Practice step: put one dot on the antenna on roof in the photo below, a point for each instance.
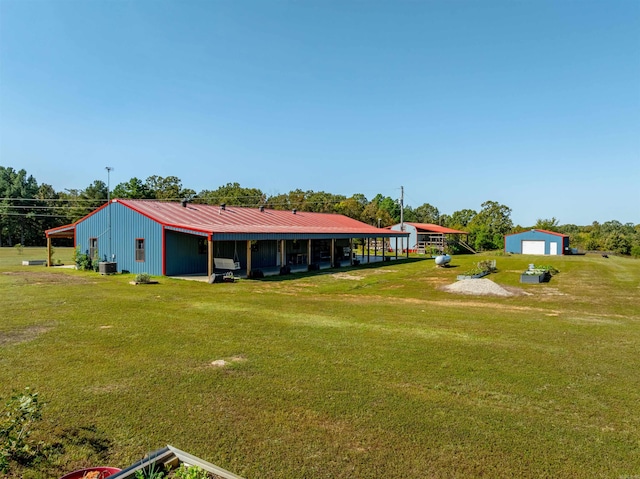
(184, 202)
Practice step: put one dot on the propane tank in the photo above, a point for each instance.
(442, 260)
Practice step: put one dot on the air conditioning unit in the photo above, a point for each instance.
(107, 267)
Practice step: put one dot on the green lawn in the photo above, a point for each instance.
(369, 373)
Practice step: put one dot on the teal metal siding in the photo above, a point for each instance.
(94, 226)
(126, 226)
(265, 254)
(513, 242)
(183, 254)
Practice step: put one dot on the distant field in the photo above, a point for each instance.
(369, 373)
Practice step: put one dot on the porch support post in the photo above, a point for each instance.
(351, 251)
(407, 248)
(309, 251)
(333, 252)
(48, 251)
(283, 253)
(396, 247)
(248, 258)
(209, 255)
(368, 250)
(375, 249)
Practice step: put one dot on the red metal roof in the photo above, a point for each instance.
(436, 229)
(238, 219)
(553, 233)
(65, 231)
(540, 231)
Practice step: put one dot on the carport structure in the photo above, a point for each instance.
(181, 238)
(426, 237)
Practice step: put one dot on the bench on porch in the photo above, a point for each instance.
(226, 263)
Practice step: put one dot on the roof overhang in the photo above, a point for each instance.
(66, 231)
(436, 229)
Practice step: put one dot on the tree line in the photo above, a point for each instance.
(28, 208)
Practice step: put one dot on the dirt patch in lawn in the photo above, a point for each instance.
(351, 277)
(22, 335)
(44, 277)
(221, 363)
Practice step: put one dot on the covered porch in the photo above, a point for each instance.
(65, 232)
(252, 256)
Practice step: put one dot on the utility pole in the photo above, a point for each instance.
(401, 219)
(402, 208)
(109, 168)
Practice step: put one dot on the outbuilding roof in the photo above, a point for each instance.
(429, 227)
(555, 233)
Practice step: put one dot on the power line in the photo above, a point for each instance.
(28, 207)
(58, 200)
(35, 215)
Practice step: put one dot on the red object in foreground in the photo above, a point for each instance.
(86, 473)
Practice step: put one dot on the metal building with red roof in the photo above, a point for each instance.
(179, 238)
(430, 238)
(536, 241)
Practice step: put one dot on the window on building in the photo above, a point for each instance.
(139, 249)
(93, 247)
(203, 246)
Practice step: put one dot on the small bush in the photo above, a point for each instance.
(190, 472)
(18, 416)
(82, 260)
(547, 268)
(487, 265)
(143, 278)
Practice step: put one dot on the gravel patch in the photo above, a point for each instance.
(480, 286)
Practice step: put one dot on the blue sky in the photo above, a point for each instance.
(533, 104)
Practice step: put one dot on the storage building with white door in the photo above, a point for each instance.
(539, 242)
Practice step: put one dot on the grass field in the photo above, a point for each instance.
(368, 373)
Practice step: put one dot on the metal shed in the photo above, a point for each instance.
(538, 242)
(179, 238)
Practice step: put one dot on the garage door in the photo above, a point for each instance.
(533, 247)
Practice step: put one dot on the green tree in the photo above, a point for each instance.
(375, 214)
(17, 207)
(461, 218)
(168, 188)
(83, 202)
(353, 207)
(388, 205)
(488, 227)
(593, 242)
(232, 194)
(617, 243)
(322, 202)
(279, 202)
(547, 224)
(133, 189)
(410, 214)
(427, 213)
